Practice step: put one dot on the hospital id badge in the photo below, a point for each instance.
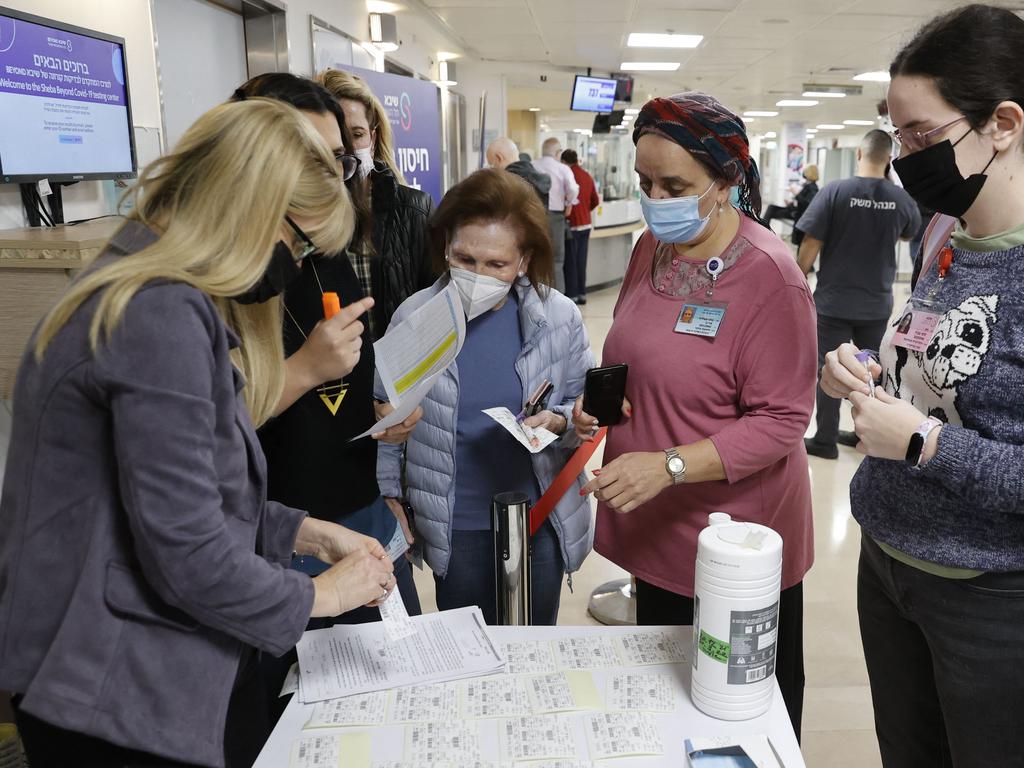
(916, 326)
(701, 319)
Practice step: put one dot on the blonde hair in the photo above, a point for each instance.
(219, 201)
(344, 85)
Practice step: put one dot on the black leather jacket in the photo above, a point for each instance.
(401, 240)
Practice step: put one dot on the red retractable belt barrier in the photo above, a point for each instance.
(563, 481)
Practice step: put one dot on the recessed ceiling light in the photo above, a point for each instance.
(873, 77)
(796, 103)
(770, 145)
(632, 111)
(650, 40)
(858, 122)
(535, 109)
(770, 135)
(649, 66)
(830, 127)
(812, 130)
(823, 95)
(760, 113)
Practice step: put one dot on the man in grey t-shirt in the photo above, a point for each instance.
(855, 224)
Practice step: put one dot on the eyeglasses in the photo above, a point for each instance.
(916, 140)
(309, 247)
(349, 164)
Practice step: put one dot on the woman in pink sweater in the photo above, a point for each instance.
(717, 325)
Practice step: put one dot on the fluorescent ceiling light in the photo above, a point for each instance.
(830, 127)
(650, 40)
(633, 111)
(379, 6)
(824, 95)
(873, 77)
(649, 66)
(770, 135)
(749, 119)
(760, 113)
(812, 130)
(770, 145)
(858, 122)
(534, 109)
(796, 103)
(448, 55)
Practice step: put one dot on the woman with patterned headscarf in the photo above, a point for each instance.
(717, 326)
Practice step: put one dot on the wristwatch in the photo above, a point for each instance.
(675, 466)
(915, 450)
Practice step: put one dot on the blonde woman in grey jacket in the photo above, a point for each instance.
(490, 236)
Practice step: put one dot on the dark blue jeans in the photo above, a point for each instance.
(945, 662)
(576, 250)
(470, 577)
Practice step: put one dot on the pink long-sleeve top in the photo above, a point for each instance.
(750, 390)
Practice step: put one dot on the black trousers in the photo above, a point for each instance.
(655, 605)
(833, 331)
(246, 730)
(945, 662)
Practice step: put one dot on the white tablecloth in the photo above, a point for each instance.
(387, 741)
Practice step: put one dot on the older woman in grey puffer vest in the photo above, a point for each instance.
(555, 346)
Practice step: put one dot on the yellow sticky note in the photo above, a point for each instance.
(584, 690)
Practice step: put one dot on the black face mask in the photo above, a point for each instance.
(932, 178)
(282, 270)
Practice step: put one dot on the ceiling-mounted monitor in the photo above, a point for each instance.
(623, 87)
(64, 102)
(593, 94)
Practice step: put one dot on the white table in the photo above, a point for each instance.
(387, 741)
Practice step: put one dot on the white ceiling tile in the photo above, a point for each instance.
(670, 6)
(582, 12)
(479, 24)
(476, 3)
(679, 21)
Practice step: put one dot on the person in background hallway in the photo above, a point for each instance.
(327, 400)
(579, 224)
(939, 498)
(142, 569)
(490, 233)
(561, 198)
(714, 422)
(393, 263)
(503, 153)
(856, 225)
(796, 208)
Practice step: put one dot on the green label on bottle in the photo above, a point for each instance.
(713, 647)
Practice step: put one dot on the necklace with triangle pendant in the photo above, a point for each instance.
(332, 395)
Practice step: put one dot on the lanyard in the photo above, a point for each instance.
(944, 261)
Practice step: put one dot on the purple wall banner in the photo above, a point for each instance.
(414, 111)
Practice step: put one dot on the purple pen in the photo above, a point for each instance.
(864, 358)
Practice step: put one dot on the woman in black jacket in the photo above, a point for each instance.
(394, 264)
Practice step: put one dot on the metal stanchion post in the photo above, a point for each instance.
(614, 602)
(510, 516)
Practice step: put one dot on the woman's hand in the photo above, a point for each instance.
(885, 425)
(403, 520)
(399, 433)
(586, 425)
(549, 420)
(630, 480)
(843, 373)
(333, 347)
(359, 579)
(330, 542)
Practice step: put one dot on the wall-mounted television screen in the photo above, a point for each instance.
(605, 123)
(64, 102)
(593, 94)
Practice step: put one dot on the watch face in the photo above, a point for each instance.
(675, 465)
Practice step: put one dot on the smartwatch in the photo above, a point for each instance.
(915, 450)
(675, 466)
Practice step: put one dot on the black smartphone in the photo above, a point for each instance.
(604, 392)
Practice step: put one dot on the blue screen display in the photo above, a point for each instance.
(593, 94)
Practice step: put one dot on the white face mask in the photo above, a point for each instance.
(365, 161)
(479, 293)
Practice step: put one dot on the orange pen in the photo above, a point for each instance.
(332, 305)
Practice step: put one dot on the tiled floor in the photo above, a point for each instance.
(838, 731)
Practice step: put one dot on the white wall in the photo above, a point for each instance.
(129, 19)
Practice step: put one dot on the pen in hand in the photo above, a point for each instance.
(864, 358)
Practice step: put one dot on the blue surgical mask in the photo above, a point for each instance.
(734, 197)
(675, 219)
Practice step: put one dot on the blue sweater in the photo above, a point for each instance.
(965, 507)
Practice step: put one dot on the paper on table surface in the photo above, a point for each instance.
(495, 696)
(585, 653)
(622, 734)
(397, 623)
(563, 692)
(291, 681)
(540, 737)
(327, 751)
(422, 346)
(366, 709)
(348, 659)
(652, 647)
(507, 419)
(758, 748)
(524, 657)
(436, 702)
(637, 692)
(457, 743)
